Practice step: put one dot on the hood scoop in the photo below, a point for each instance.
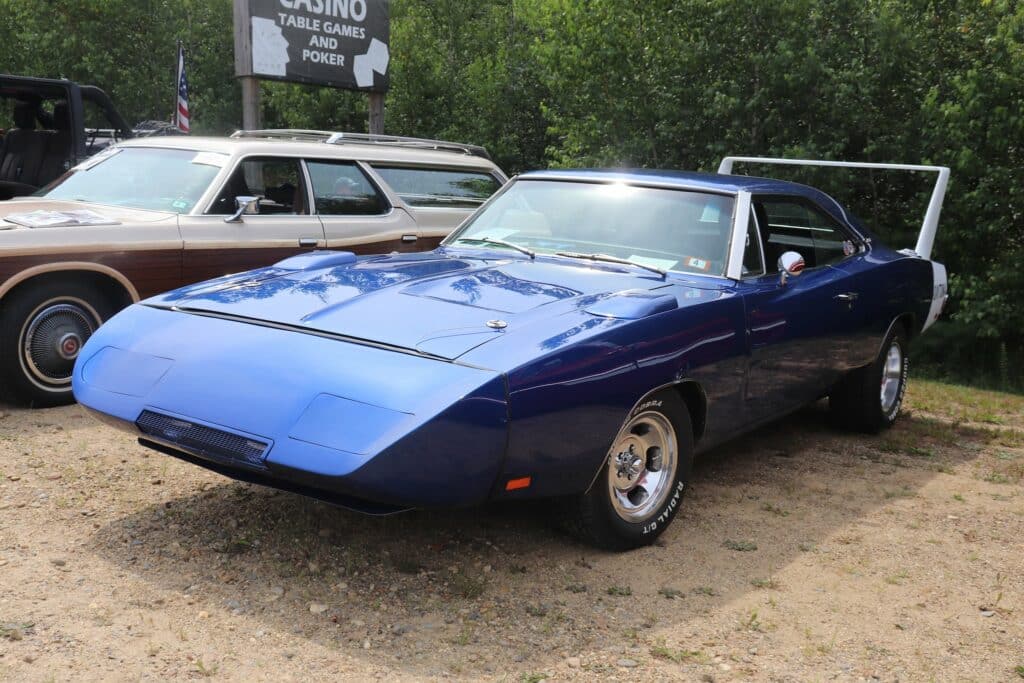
(633, 304)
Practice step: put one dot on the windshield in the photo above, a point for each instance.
(140, 178)
(653, 227)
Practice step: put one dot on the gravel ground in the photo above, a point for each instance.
(800, 554)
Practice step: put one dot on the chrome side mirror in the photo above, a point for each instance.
(791, 264)
(247, 205)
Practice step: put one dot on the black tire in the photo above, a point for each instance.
(869, 399)
(54, 318)
(604, 516)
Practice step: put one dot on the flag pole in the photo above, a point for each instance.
(177, 83)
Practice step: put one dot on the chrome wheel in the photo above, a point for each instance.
(51, 339)
(642, 466)
(892, 376)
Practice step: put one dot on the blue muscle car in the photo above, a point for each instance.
(582, 336)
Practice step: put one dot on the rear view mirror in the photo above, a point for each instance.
(791, 264)
(247, 205)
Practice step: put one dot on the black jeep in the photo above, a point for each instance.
(51, 125)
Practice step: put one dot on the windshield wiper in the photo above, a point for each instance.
(606, 258)
(503, 243)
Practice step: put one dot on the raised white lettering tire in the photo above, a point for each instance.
(869, 399)
(640, 488)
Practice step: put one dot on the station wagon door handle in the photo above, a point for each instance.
(409, 238)
(847, 297)
(306, 242)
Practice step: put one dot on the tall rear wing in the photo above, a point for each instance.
(925, 239)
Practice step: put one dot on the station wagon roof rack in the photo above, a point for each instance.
(925, 239)
(346, 138)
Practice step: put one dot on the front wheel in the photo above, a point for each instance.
(639, 489)
(42, 329)
(869, 398)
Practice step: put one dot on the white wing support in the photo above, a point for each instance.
(925, 239)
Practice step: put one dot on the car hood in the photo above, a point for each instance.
(438, 303)
(11, 209)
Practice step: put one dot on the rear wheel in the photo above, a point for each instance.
(42, 329)
(869, 399)
(641, 485)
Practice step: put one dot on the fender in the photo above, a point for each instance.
(65, 266)
(640, 403)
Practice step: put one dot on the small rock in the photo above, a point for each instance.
(13, 477)
(203, 614)
(987, 613)
(317, 608)
(155, 481)
(3, 562)
(29, 658)
(276, 593)
(752, 651)
(627, 663)
(724, 667)
(366, 644)
(53, 476)
(573, 662)
(57, 562)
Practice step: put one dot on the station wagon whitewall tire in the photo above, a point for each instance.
(641, 485)
(42, 329)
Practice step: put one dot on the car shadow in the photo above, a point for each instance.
(486, 582)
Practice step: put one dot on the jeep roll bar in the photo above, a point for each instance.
(925, 239)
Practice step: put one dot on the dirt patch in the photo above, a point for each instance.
(800, 554)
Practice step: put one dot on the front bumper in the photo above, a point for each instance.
(333, 419)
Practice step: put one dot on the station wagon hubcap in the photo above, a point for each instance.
(642, 466)
(892, 373)
(52, 338)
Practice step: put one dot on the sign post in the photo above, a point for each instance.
(338, 43)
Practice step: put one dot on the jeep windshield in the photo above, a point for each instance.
(140, 178)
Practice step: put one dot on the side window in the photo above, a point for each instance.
(796, 225)
(342, 189)
(438, 186)
(753, 260)
(277, 182)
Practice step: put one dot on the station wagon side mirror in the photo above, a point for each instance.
(791, 264)
(247, 205)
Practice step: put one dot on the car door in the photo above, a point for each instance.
(355, 212)
(438, 198)
(800, 328)
(284, 225)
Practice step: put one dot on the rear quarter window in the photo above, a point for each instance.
(437, 187)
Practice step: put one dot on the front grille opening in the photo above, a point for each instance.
(203, 440)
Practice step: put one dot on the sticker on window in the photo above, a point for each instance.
(700, 264)
(210, 159)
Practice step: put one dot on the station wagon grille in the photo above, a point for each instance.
(202, 440)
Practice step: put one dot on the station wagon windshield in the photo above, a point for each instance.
(651, 227)
(139, 178)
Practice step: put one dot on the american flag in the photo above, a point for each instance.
(181, 111)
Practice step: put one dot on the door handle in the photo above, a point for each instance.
(847, 297)
(409, 238)
(306, 242)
